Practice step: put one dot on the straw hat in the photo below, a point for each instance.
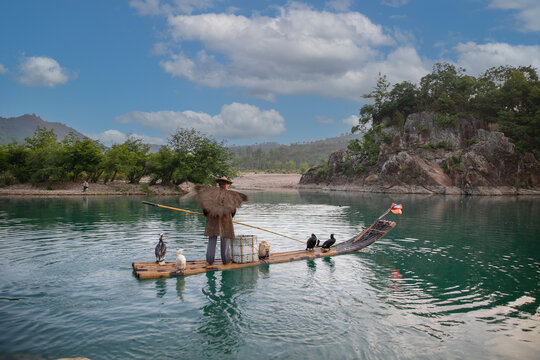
(223, 179)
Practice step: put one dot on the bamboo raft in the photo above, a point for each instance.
(151, 270)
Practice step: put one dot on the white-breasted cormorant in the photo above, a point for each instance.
(180, 260)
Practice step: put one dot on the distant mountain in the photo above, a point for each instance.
(21, 127)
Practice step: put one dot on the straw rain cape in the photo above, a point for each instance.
(219, 206)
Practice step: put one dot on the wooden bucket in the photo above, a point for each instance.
(245, 249)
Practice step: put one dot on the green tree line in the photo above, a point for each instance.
(42, 158)
(296, 157)
(507, 96)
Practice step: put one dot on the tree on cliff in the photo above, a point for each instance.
(507, 96)
(511, 98)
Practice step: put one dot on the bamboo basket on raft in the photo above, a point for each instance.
(379, 228)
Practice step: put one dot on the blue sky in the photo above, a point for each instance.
(239, 71)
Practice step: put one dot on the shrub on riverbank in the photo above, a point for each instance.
(42, 159)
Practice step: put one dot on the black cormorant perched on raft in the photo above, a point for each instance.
(326, 245)
(161, 250)
(310, 244)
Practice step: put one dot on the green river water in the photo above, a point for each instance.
(457, 278)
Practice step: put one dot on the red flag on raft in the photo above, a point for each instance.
(396, 208)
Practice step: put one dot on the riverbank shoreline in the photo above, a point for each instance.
(245, 181)
(423, 190)
(249, 181)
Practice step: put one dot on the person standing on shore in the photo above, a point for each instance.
(85, 185)
(219, 205)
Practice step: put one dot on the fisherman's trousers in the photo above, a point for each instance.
(226, 252)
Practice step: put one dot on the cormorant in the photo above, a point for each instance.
(161, 250)
(180, 260)
(310, 244)
(326, 245)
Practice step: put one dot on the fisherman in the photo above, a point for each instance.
(219, 205)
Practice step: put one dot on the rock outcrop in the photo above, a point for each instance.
(430, 155)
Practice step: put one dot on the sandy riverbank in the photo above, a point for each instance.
(265, 181)
(245, 181)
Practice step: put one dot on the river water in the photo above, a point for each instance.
(457, 278)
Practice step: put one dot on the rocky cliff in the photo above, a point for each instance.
(427, 155)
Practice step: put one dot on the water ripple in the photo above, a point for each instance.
(455, 278)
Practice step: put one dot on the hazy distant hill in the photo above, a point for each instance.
(21, 127)
(267, 146)
(274, 156)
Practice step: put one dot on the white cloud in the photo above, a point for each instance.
(162, 7)
(203, 69)
(187, 6)
(394, 3)
(339, 5)
(111, 137)
(160, 48)
(351, 120)
(42, 71)
(235, 121)
(147, 7)
(3, 69)
(528, 12)
(403, 36)
(477, 58)
(324, 120)
(299, 51)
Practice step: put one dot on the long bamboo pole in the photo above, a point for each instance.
(236, 222)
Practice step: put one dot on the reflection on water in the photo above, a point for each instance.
(161, 287)
(180, 287)
(395, 279)
(457, 278)
(221, 324)
(329, 262)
